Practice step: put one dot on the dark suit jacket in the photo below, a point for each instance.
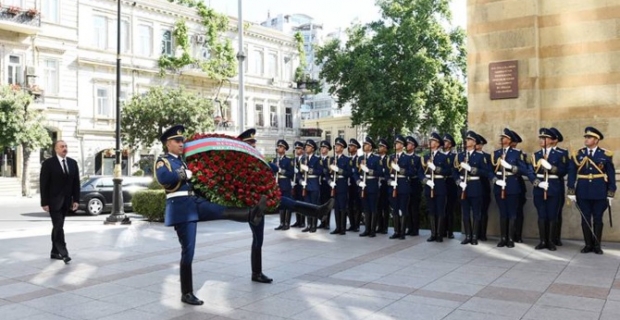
(59, 190)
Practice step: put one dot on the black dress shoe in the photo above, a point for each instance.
(306, 229)
(260, 277)
(66, 259)
(450, 235)
(56, 256)
(190, 298)
(280, 227)
(337, 231)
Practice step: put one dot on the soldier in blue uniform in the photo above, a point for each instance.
(367, 177)
(509, 164)
(469, 166)
(355, 203)
(311, 171)
(384, 196)
(592, 185)
(326, 189)
(518, 229)
(436, 166)
(184, 209)
(284, 174)
(399, 170)
(339, 171)
(300, 220)
(556, 236)
(548, 166)
(415, 199)
(451, 188)
(486, 191)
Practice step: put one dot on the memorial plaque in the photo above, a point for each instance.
(504, 79)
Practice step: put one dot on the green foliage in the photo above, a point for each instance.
(151, 204)
(144, 117)
(222, 62)
(187, 3)
(138, 173)
(404, 73)
(301, 69)
(154, 185)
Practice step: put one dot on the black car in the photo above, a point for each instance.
(96, 192)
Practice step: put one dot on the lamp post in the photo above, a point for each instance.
(241, 57)
(118, 214)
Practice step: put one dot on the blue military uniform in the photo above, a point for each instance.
(341, 190)
(486, 193)
(471, 197)
(355, 202)
(282, 167)
(451, 189)
(300, 221)
(384, 196)
(326, 190)
(436, 195)
(507, 197)
(555, 237)
(399, 188)
(311, 179)
(518, 228)
(414, 214)
(369, 186)
(592, 179)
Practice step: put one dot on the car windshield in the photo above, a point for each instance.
(87, 183)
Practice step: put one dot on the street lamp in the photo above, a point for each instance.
(241, 56)
(118, 214)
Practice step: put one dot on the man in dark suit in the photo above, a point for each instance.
(60, 192)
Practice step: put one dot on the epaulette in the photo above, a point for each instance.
(608, 153)
(162, 161)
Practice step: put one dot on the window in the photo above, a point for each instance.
(145, 40)
(272, 65)
(289, 117)
(125, 36)
(50, 76)
(227, 111)
(49, 11)
(288, 71)
(257, 62)
(16, 70)
(328, 136)
(341, 134)
(12, 3)
(246, 114)
(205, 52)
(166, 43)
(258, 115)
(103, 103)
(100, 32)
(123, 96)
(273, 116)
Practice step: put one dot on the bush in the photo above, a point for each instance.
(138, 173)
(151, 204)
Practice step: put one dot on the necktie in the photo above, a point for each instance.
(64, 166)
(591, 153)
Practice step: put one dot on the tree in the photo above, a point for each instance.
(21, 125)
(145, 117)
(404, 72)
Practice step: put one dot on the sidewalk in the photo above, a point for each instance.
(121, 272)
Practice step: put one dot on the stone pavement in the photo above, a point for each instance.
(122, 272)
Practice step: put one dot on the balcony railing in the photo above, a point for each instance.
(20, 20)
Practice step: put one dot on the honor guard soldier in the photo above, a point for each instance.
(592, 185)
(355, 203)
(284, 176)
(326, 189)
(184, 209)
(367, 177)
(469, 166)
(435, 167)
(415, 199)
(297, 188)
(548, 166)
(384, 196)
(509, 164)
(398, 173)
(555, 237)
(518, 230)
(339, 171)
(311, 170)
(486, 191)
(451, 189)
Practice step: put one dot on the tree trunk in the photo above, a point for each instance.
(26, 151)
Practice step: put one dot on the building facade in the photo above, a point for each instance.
(67, 58)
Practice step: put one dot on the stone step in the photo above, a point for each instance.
(10, 186)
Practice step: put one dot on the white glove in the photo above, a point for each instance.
(394, 183)
(500, 183)
(293, 184)
(543, 185)
(430, 183)
(334, 167)
(610, 201)
(463, 185)
(506, 164)
(572, 197)
(431, 165)
(362, 184)
(304, 168)
(188, 174)
(332, 184)
(303, 183)
(465, 166)
(545, 164)
(395, 166)
(364, 168)
(280, 170)
(296, 170)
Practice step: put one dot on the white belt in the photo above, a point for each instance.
(470, 178)
(312, 176)
(185, 193)
(282, 177)
(398, 176)
(551, 176)
(340, 177)
(370, 178)
(499, 173)
(437, 176)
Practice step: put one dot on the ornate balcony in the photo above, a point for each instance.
(20, 20)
